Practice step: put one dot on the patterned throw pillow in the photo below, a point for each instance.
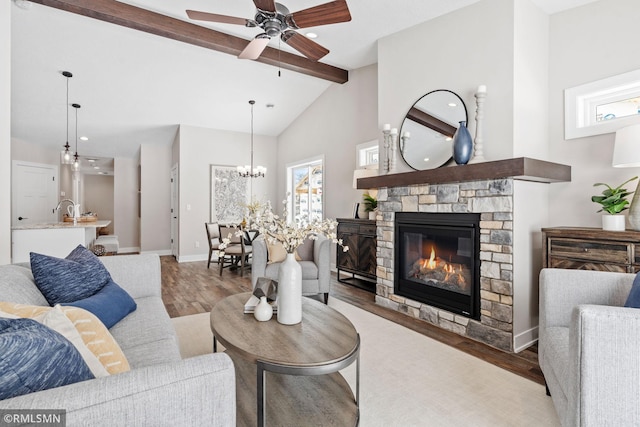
(96, 344)
(34, 357)
(79, 275)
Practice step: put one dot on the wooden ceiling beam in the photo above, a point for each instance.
(155, 23)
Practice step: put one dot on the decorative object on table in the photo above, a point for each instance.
(390, 136)
(626, 154)
(364, 173)
(276, 229)
(462, 145)
(356, 208)
(478, 155)
(266, 288)
(263, 311)
(370, 205)
(613, 201)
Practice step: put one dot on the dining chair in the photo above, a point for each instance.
(237, 251)
(213, 237)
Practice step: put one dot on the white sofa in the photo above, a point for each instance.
(160, 388)
(589, 347)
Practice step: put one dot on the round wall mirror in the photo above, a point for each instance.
(426, 135)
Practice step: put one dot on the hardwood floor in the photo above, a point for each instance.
(191, 288)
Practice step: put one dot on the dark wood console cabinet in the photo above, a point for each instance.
(591, 249)
(360, 259)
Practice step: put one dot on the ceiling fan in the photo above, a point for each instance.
(276, 20)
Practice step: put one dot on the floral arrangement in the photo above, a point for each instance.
(275, 228)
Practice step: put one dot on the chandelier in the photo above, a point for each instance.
(248, 171)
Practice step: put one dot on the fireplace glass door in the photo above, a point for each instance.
(437, 260)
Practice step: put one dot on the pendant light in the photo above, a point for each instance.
(76, 158)
(67, 154)
(249, 171)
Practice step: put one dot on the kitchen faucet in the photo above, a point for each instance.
(74, 204)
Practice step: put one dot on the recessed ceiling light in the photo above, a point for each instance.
(312, 35)
(270, 105)
(96, 167)
(452, 104)
(91, 160)
(426, 159)
(448, 138)
(84, 138)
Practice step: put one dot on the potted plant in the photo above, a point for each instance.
(613, 201)
(370, 205)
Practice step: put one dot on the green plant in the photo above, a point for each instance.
(613, 200)
(370, 202)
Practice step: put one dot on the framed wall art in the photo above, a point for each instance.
(229, 195)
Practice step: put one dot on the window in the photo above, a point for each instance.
(603, 106)
(367, 155)
(304, 185)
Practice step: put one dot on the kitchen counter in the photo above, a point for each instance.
(50, 225)
(53, 238)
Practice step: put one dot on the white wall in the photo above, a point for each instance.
(98, 198)
(5, 132)
(125, 203)
(341, 118)
(198, 149)
(588, 43)
(155, 186)
(458, 51)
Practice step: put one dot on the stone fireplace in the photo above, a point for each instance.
(488, 192)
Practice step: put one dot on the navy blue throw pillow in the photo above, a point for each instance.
(79, 275)
(110, 304)
(633, 300)
(34, 358)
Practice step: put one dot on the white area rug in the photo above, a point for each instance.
(407, 379)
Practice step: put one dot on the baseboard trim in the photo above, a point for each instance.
(132, 250)
(525, 339)
(163, 252)
(193, 258)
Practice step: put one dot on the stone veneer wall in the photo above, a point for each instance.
(493, 199)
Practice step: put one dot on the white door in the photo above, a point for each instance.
(34, 193)
(174, 211)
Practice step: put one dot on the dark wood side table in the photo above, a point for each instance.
(295, 366)
(584, 248)
(360, 259)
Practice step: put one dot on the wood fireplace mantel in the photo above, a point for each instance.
(520, 168)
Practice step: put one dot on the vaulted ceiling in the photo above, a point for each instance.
(137, 87)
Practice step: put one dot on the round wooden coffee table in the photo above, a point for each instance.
(296, 366)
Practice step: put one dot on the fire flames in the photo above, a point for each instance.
(436, 269)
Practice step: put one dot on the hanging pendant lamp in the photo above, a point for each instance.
(249, 171)
(76, 158)
(67, 153)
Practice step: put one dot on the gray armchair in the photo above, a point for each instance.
(315, 263)
(589, 349)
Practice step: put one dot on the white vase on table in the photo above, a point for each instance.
(289, 298)
(263, 311)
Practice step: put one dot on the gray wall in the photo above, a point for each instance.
(198, 148)
(155, 198)
(341, 118)
(5, 132)
(98, 197)
(589, 43)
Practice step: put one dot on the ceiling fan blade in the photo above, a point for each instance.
(305, 46)
(255, 47)
(214, 17)
(266, 5)
(328, 13)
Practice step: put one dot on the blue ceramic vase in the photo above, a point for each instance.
(462, 145)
